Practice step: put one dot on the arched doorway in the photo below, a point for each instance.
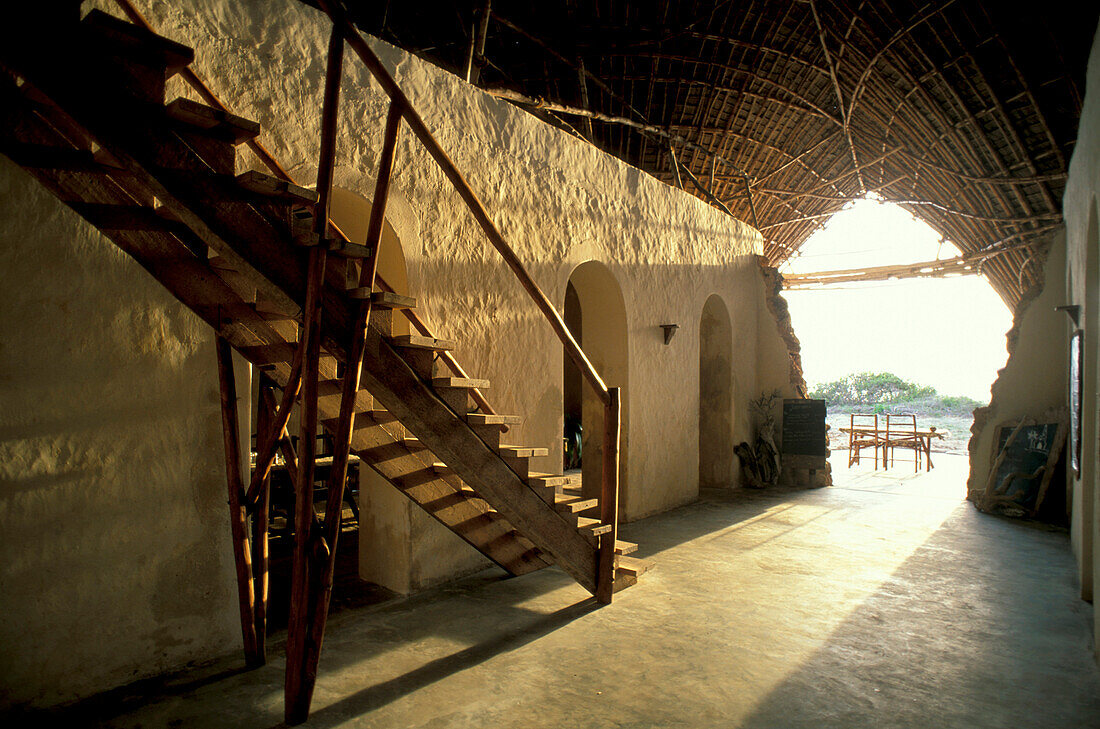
(715, 395)
(596, 315)
(351, 212)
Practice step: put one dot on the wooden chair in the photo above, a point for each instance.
(901, 432)
(863, 432)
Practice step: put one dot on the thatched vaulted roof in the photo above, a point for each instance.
(963, 111)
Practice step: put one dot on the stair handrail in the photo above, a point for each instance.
(269, 160)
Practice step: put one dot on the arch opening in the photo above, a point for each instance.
(596, 316)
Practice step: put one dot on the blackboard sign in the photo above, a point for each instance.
(804, 428)
(1023, 467)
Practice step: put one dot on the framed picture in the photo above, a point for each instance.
(1076, 382)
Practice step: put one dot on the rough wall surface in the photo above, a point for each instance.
(1033, 380)
(114, 555)
(133, 420)
(1081, 211)
(559, 201)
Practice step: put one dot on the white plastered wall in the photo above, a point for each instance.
(114, 535)
(1080, 210)
(559, 201)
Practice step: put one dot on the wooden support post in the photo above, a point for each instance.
(238, 520)
(345, 427)
(609, 497)
(260, 553)
(301, 675)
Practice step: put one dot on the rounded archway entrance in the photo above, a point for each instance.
(596, 315)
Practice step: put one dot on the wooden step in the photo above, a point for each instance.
(509, 451)
(382, 299)
(484, 419)
(137, 42)
(633, 567)
(414, 444)
(623, 580)
(460, 382)
(549, 480)
(574, 505)
(213, 122)
(273, 188)
(415, 341)
(622, 547)
(592, 527)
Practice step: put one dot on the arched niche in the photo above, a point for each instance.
(596, 315)
(351, 212)
(716, 462)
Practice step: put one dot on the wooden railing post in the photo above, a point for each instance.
(309, 547)
(609, 496)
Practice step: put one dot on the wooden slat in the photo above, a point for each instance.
(274, 188)
(215, 122)
(485, 419)
(414, 341)
(460, 382)
(510, 451)
(137, 41)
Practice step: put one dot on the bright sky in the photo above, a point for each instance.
(948, 333)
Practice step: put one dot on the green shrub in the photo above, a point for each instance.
(884, 392)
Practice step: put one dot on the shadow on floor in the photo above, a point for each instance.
(929, 649)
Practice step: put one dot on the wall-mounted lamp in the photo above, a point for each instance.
(1072, 310)
(670, 331)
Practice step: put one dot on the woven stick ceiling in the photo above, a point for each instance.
(965, 112)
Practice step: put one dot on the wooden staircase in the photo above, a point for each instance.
(250, 255)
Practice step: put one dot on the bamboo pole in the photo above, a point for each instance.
(238, 520)
(349, 389)
(609, 497)
(260, 516)
(300, 675)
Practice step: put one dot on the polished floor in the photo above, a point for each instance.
(883, 601)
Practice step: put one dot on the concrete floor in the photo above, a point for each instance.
(884, 601)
